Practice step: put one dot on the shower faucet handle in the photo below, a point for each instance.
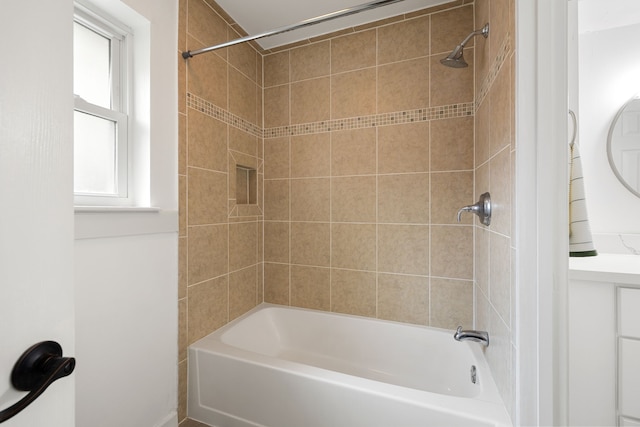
(482, 208)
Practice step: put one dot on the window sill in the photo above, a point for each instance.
(92, 222)
(113, 209)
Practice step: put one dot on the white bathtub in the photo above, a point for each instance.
(288, 367)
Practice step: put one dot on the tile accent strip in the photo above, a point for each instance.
(223, 115)
(383, 119)
(502, 56)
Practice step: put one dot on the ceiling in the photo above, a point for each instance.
(256, 16)
(598, 15)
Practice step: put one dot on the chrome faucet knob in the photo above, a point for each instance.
(482, 208)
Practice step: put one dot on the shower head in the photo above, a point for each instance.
(456, 58)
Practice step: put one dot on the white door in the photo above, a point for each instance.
(36, 201)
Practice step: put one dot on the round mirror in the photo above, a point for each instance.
(623, 145)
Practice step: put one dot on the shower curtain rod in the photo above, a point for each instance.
(306, 23)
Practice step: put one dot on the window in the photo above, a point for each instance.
(101, 128)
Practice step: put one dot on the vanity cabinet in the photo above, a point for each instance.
(604, 341)
(629, 353)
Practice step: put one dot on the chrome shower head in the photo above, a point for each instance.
(456, 58)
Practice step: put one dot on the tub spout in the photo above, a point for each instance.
(476, 336)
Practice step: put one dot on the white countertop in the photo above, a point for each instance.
(616, 268)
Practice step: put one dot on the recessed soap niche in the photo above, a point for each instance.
(246, 185)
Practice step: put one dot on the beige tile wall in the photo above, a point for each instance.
(220, 118)
(369, 153)
(495, 150)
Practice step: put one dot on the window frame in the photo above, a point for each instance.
(120, 37)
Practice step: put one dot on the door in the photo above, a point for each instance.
(36, 200)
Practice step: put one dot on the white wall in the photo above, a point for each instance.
(126, 330)
(126, 264)
(609, 76)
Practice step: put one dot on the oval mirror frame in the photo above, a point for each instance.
(610, 147)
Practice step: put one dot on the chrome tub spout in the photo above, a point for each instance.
(476, 336)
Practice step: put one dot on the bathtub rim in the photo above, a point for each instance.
(489, 402)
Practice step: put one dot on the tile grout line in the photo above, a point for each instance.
(377, 307)
(330, 185)
(289, 145)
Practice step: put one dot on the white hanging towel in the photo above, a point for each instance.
(580, 240)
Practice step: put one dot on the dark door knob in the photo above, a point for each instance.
(38, 367)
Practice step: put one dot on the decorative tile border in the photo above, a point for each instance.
(223, 115)
(503, 54)
(384, 119)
